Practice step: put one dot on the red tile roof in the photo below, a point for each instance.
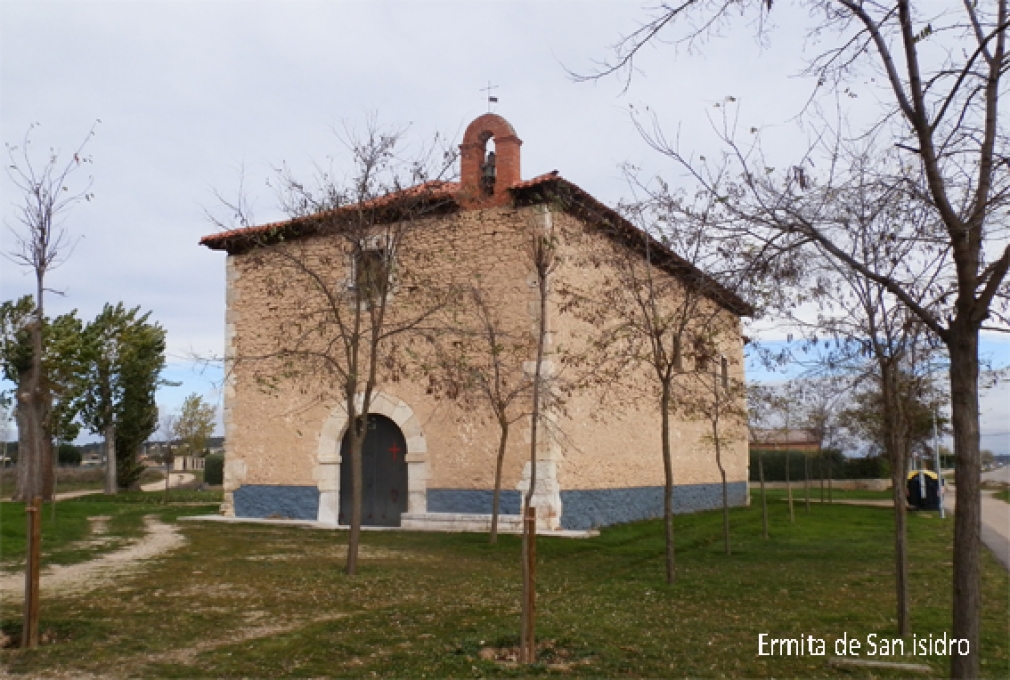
(434, 192)
(444, 196)
(573, 199)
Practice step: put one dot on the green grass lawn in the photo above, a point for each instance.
(815, 495)
(264, 601)
(65, 532)
(1003, 495)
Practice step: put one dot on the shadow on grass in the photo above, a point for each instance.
(266, 601)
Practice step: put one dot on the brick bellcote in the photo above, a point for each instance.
(474, 153)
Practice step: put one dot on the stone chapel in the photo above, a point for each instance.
(427, 463)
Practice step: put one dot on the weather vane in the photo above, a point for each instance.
(490, 98)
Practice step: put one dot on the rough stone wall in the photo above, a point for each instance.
(273, 427)
(617, 443)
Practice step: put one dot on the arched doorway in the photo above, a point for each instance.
(383, 474)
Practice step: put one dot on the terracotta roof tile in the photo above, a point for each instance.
(434, 190)
(574, 199)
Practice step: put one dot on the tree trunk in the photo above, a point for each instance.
(831, 488)
(359, 430)
(23, 474)
(527, 637)
(963, 349)
(806, 481)
(764, 502)
(35, 476)
(820, 472)
(900, 548)
(664, 409)
(895, 445)
(111, 487)
(725, 493)
(168, 472)
(789, 490)
(495, 501)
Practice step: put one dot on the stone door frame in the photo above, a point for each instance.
(328, 460)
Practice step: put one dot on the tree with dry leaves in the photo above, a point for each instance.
(350, 290)
(47, 192)
(482, 364)
(48, 189)
(939, 141)
(660, 316)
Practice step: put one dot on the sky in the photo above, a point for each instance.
(191, 96)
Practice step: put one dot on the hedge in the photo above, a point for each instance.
(213, 469)
(827, 463)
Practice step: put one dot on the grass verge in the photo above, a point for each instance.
(265, 601)
(67, 533)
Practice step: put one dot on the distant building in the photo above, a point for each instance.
(779, 439)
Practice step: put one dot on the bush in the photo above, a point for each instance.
(68, 455)
(213, 469)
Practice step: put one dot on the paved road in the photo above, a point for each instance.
(995, 523)
(999, 475)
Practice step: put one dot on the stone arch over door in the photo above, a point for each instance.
(328, 460)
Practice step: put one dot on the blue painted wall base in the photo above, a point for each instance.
(581, 509)
(278, 502)
(594, 508)
(472, 501)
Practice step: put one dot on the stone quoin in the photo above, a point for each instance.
(596, 465)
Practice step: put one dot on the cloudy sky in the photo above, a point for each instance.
(189, 93)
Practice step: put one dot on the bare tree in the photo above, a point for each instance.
(898, 348)
(942, 77)
(875, 336)
(718, 400)
(41, 244)
(822, 398)
(542, 253)
(759, 400)
(484, 365)
(659, 313)
(348, 249)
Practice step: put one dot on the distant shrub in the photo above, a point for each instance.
(213, 469)
(68, 455)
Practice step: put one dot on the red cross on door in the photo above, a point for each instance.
(394, 449)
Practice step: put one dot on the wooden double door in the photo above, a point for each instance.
(383, 475)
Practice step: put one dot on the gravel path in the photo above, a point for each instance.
(78, 578)
(177, 479)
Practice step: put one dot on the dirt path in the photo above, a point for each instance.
(177, 479)
(78, 578)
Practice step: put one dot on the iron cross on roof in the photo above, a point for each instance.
(490, 99)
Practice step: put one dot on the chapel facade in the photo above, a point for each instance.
(429, 460)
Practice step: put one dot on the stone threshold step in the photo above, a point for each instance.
(428, 521)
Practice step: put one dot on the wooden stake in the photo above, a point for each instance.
(30, 627)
